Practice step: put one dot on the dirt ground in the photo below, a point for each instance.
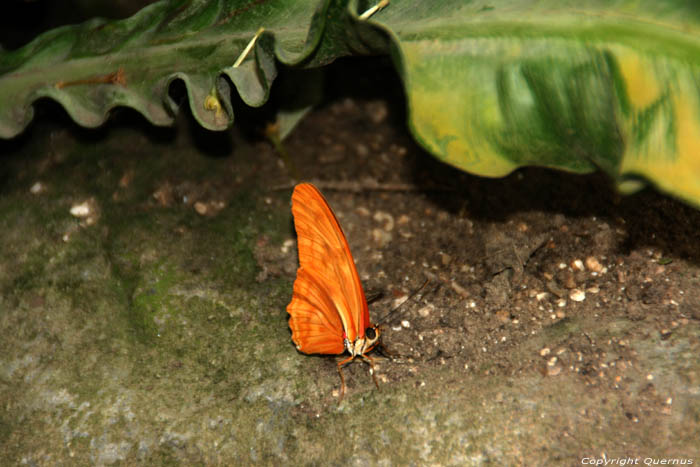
(542, 279)
(505, 258)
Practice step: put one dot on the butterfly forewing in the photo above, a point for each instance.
(328, 297)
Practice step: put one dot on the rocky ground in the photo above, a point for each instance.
(144, 275)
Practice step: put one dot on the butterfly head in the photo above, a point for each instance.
(362, 345)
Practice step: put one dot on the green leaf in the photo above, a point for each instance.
(98, 65)
(497, 85)
(491, 85)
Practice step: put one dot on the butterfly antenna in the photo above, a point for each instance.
(372, 297)
(392, 311)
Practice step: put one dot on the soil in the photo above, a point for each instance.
(506, 259)
(560, 321)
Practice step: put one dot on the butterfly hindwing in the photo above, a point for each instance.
(313, 329)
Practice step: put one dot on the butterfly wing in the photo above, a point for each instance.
(316, 326)
(328, 299)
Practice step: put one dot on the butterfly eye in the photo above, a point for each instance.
(371, 333)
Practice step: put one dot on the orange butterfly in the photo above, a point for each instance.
(328, 311)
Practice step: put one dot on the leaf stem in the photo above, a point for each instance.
(374, 9)
(248, 48)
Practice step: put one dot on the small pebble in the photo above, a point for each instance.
(503, 316)
(459, 289)
(287, 245)
(164, 195)
(201, 208)
(80, 210)
(569, 281)
(593, 264)
(88, 211)
(37, 188)
(378, 111)
(577, 295)
(553, 370)
(363, 211)
(388, 219)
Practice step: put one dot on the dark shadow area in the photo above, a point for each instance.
(23, 20)
(50, 116)
(650, 218)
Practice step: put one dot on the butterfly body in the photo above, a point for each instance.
(328, 311)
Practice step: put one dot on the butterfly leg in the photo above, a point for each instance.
(383, 350)
(372, 372)
(342, 378)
